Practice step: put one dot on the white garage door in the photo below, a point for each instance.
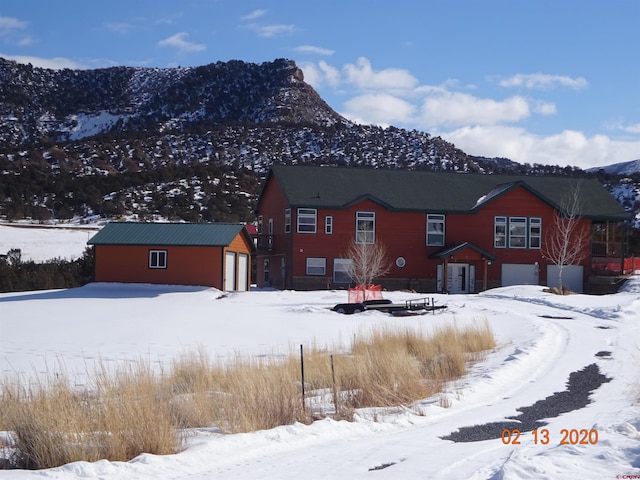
(519, 274)
(243, 272)
(230, 271)
(572, 277)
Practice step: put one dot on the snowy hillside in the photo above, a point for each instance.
(628, 194)
(621, 168)
(542, 339)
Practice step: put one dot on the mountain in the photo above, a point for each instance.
(40, 106)
(622, 168)
(189, 143)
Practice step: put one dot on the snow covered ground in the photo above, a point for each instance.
(40, 243)
(541, 338)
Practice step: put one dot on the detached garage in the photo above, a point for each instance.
(209, 254)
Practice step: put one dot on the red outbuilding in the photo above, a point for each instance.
(448, 232)
(209, 254)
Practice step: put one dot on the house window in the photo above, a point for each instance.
(259, 226)
(287, 220)
(266, 270)
(157, 259)
(500, 232)
(435, 230)
(365, 227)
(517, 232)
(535, 232)
(342, 268)
(307, 218)
(316, 266)
(328, 225)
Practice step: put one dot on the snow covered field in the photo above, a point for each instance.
(541, 338)
(40, 243)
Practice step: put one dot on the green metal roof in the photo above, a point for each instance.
(169, 234)
(427, 191)
(450, 250)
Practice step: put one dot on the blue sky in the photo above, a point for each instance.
(537, 81)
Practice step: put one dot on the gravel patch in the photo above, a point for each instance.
(579, 387)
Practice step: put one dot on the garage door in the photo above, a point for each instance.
(519, 274)
(243, 272)
(572, 277)
(230, 271)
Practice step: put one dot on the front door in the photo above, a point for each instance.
(458, 278)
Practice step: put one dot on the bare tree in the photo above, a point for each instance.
(565, 244)
(368, 261)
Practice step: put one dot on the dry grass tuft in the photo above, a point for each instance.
(132, 409)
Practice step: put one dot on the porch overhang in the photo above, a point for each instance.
(450, 250)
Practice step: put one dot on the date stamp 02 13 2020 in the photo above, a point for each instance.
(541, 436)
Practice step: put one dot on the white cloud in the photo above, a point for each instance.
(363, 76)
(544, 108)
(379, 109)
(314, 50)
(269, 31)
(635, 128)
(179, 41)
(456, 109)
(569, 147)
(255, 14)
(25, 41)
(543, 81)
(119, 27)
(56, 63)
(320, 74)
(478, 125)
(10, 24)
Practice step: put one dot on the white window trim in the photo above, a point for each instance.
(433, 219)
(287, 220)
(526, 223)
(518, 222)
(338, 264)
(500, 221)
(535, 222)
(307, 213)
(366, 216)
(328, 225)
(316, 266)
(160, 259)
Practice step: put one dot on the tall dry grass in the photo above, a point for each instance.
(53, 422)
(391, 367)
(132, 409)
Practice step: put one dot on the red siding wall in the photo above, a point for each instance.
(402, 233)
(273, 205)
(185, 265)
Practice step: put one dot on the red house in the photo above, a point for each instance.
(482, 230)
(209, 254)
